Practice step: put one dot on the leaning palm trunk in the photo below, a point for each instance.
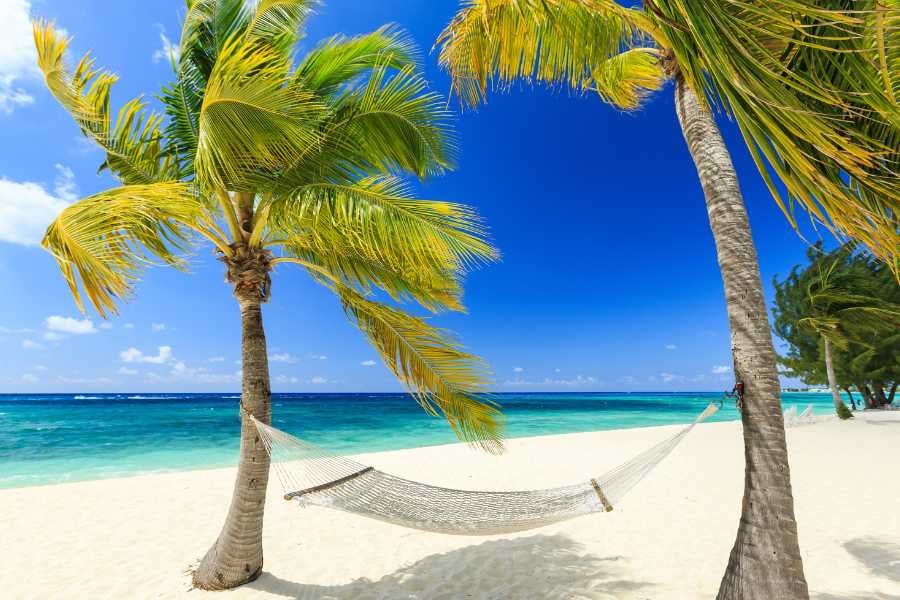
(839, 407)
(237, 556)
(765, 561)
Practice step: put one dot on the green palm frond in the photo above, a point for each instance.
(105, 240)
(809, 84)
(133, 145)
(279, 22)
(379, 221)
(394, 122)
(563, 42)
(625, 79)
(340, 60)
(433, 289)
(440, 375)
(251, 122)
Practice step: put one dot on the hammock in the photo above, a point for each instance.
(314, 476)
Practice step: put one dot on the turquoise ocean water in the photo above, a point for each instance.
(56, 438)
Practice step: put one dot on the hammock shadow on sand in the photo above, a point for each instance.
(540, 566)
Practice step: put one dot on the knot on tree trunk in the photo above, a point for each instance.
(247, 270)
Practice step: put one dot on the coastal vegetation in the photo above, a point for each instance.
(278, 161)
(840, 316)
(811, 86)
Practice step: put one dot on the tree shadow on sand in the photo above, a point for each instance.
(541, 566)
(880, 557)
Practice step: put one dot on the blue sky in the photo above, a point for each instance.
(608, 280)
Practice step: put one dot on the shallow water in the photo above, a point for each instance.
(60, 437)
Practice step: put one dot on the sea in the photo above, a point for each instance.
(55, 438)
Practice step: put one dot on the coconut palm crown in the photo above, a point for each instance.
(276, 162)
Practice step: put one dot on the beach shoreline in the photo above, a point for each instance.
(136, 536)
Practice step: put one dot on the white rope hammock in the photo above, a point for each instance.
(313, 476)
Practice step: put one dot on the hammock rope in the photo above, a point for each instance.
(313, 476)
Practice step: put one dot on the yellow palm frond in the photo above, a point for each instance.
(809, 82)
(133, 145)
(104, 241)
(550, 41)
(379, 221)
(252, 122)
(440, 375)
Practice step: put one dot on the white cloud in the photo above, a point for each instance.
(368, 363)
(70, 325)
(31, 345)
(158, 326)
(30, 378)
(64, 185)
(669, 377)
(169, 50)
(671, 347)
(283, 357)
(215, 359)
(557, 370)
(133, 355)
(26, 209)
(18, 59)
(127, 371)
(39, 368)
(720, 370)
(83, 380)
(518, 369)
(128, 326)
(105, 325)
(316, 357)
(573, 382)
(319, 380)
(286, 379)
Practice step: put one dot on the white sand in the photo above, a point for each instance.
(136, 537)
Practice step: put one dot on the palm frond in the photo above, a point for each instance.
(251, 122)
(562, 42)
(105, 240)
(439, 374)
(340, 60)
(133, 146)
(625, 79)
(809, 84)
(433, 289)
(278, 22)
(394, 122)
(377, 219)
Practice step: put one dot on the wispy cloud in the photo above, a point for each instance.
(18, 59)
(518, 369)
(319, 380)
(368, 363)
(671, 347)
(282, 357)
(31, 345)
(70, 325)
(721, 369)
(168, 51)
(158, 326)
(316, 357)
(133, 355)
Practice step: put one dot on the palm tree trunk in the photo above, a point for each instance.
(237, 556)
(765, 562)
(852, 399)
(893, 391)
(839, 407)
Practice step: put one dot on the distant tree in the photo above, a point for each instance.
(840, 317)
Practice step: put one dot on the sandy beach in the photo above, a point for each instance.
(137, 537)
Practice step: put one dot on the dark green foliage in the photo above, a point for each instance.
(843, 412)
(852, 299)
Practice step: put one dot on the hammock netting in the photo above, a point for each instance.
(314, 476)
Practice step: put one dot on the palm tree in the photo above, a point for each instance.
(838, 302)
(276, 163)
(809, 83)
